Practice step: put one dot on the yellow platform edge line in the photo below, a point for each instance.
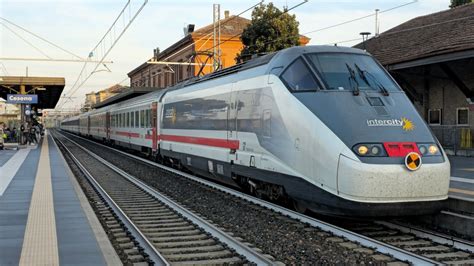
(40, 244)
(462, 191)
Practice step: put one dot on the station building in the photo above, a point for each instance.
(195, 47)
(432, 58)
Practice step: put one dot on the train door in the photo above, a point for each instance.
(154, 126)
(107, 125)
(232, 110)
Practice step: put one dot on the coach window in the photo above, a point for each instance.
(142, 118)
(298, 77)
(137, 119)
(148, 118)
(126, 120)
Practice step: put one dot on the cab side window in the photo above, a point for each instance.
(298, 77)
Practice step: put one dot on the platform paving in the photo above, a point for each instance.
(44, 217)
(14, 207)
(5, 155)
(462, 177)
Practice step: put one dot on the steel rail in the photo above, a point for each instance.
(381, 247)
(148, 247)
(433, 236)
(241, 248)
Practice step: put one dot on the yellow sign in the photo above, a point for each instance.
(413, 161)
(407, 124)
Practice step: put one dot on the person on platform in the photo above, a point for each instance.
(2, 134)
(33, 134)
(14, 135)
(7, 135)
(22, 133)
(37, 133)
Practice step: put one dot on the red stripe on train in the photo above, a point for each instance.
(221, 143)
(127, 134)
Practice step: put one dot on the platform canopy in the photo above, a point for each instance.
(48, 89)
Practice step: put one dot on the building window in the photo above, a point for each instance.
(434, 116)
(462, 116)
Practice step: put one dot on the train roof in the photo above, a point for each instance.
(278, 59)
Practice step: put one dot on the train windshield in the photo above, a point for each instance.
(343, 71)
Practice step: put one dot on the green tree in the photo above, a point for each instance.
(455, 3)
(270, 30)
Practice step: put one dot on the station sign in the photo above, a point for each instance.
(20, 98)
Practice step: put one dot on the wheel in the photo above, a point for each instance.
(298, 206)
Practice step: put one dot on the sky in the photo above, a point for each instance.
(78, 25)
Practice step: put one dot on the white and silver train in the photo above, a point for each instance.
(323, 127)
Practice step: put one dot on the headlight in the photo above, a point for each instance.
(422, 149)
(433, 149)
(428, 149)
(370, 150)
(362, 150)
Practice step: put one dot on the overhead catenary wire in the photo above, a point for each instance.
(359, 18)
(343, 23)
(4, 69)
(412, 28)
(239, 34)
(25, 40)
(78, 84)
(209, 35)
(41, 38)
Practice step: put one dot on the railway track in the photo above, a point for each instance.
(436, 246)
(347, 235)
(158, 230)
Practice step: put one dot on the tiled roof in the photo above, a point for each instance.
(230, 26)
(435, 34)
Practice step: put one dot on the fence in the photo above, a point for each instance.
(456, 140)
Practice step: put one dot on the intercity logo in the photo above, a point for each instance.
(405, 123)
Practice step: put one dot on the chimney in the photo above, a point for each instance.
(226, 14)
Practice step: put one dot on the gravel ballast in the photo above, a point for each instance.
(287, 240)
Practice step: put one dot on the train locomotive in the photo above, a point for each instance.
(323, 127)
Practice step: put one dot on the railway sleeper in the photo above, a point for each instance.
(174, 244)
(159, 239)
(168, 229)
(226, 261)
(147, 217)
(395, 238)
(158, 222)
(410, 243)
(430, 248)
(450, 255)
(210, 248)
(379, 233)
(164, 225)
(175, 233)
(199, 256)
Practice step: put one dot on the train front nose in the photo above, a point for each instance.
(394, 177)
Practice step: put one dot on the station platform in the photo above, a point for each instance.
(462, 178)
(45, 219)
